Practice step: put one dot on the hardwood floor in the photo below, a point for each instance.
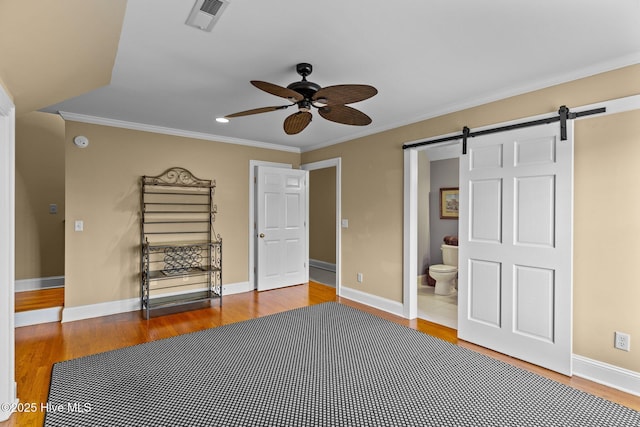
(36, 300)
(38, 347)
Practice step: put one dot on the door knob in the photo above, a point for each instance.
(262, 235)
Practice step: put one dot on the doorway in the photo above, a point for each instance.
(436, 172)
(325, 253)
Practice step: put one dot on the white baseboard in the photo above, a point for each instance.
(236, 288)
(70, 314)
(375, 301)
(322, 265)
(606, 374)
(35, 317)
(5, 413)
(39, 283)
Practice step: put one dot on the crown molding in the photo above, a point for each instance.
(83, 118)
(602, 67)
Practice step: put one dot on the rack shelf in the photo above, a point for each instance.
(181, 255)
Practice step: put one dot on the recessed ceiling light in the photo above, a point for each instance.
(222, 120)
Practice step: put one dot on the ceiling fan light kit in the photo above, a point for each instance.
(330, 101)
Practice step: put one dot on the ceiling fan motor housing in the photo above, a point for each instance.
(304, 87)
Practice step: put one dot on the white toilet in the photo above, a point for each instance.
(445, 274)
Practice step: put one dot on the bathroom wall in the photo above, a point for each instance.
(444, 174)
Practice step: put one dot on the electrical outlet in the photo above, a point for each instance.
(622, 341)
(359, 277)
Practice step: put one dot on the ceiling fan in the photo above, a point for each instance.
(329, 101)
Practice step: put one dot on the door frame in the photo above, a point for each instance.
(410, 215)
(8, 389)
(337, 163)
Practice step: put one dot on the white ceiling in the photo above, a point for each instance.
(425, 58)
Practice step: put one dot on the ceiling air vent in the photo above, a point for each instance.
(205, 13)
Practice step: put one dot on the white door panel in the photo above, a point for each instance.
(281, 231)
(515, 269)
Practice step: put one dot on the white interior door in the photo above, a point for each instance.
(515, 269)
(281, 228)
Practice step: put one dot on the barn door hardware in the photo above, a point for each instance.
(563, 115)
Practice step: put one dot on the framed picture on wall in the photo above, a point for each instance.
(449, 203)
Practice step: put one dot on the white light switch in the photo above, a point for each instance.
(79, 225)
(53, 208)
(345, 223)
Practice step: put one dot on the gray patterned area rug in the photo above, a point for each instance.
(324, 365)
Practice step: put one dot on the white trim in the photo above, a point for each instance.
(384, 304)
(37, 283)
(602, 67)
(606, 374)
(493, 96)
(337, 163)
(6, 105)
(410, 241)
(7, 252)
(36, 317)
(252, 212)
(71, 314)
(83, 118)
(236, 288)
(322, 265)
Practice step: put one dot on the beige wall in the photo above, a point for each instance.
(46, 58)
(372, 186)
(39, 182)
(372, 198)
(322, 215)
(102, 189)
(607, 236)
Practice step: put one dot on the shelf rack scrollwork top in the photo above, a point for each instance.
(179, 177)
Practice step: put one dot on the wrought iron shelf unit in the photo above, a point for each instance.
(181, 255)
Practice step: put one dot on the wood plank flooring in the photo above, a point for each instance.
(38, 347)
(36, 300)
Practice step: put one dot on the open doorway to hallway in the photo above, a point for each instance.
(322, 226)
(324, 222)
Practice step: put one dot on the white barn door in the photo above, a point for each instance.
(281, 228)
(515, 272)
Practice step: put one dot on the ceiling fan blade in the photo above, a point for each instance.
(296, 122)
(345, 115)
(344, 94)
(257, 111)
(276, 90)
